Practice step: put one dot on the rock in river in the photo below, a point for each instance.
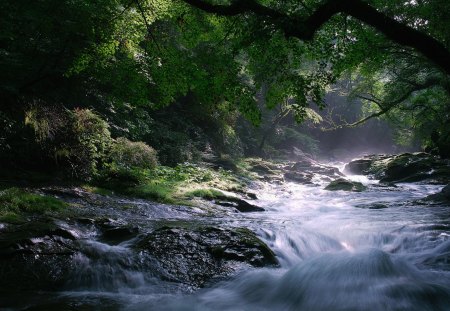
(196, 255)
(406, 167)
(346, 185)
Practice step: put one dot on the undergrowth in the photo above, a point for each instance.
(15, 202)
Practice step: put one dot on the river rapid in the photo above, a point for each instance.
(341, 251)
(379, 249)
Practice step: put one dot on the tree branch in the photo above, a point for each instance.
(386, 107)
(305, 28)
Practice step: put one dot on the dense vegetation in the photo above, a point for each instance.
(96, 89)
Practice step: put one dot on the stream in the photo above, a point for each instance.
(373, 250)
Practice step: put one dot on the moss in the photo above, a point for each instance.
(98, 190)
(11, 217)
(160, 192)
(168, 184)
(209, 194)
(15, 201)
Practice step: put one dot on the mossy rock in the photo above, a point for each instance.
(345, 185)
(197, 255)
(222, 199)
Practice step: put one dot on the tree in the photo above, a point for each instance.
(304, 28)
(400, 70)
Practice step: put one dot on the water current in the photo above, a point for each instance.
(373, 250)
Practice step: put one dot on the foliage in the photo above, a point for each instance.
(127, 154)
(75, 140)
(15, 201)
(286, 137)
(188, 83)
(91, 141)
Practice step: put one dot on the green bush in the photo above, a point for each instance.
(116, 177)
(127, 154)
(91, 140)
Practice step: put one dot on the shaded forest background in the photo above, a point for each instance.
(92, 85)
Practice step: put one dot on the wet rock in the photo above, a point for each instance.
(239, 204)
(358, 167)
(37, 255)
(119, 234)
(406, 167)
(372, 206)
(441, 197)
(197, 255)
(300, 177)
(251, 195)
(306, 170)
(446, 192)
(346, 185)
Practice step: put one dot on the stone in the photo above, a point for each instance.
(441, 197)
(345, 185)
(196, 255)
(358, 167)
(300, 177)
(36, 256)
(239, 204)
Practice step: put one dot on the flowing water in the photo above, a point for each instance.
(373, 250)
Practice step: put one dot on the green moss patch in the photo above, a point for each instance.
(208, 194)
(15, 202)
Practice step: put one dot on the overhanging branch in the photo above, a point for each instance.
(305, 28)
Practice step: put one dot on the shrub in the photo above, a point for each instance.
(116, 177)
(126, 153)
(91, 141)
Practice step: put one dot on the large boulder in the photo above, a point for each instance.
(413, 167)
(406, 167)
(358, 167)
(36, 256)
(345, 185)
(196, 255)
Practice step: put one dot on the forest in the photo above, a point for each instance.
(224, 154)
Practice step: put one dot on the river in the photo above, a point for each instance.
(373, 250)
